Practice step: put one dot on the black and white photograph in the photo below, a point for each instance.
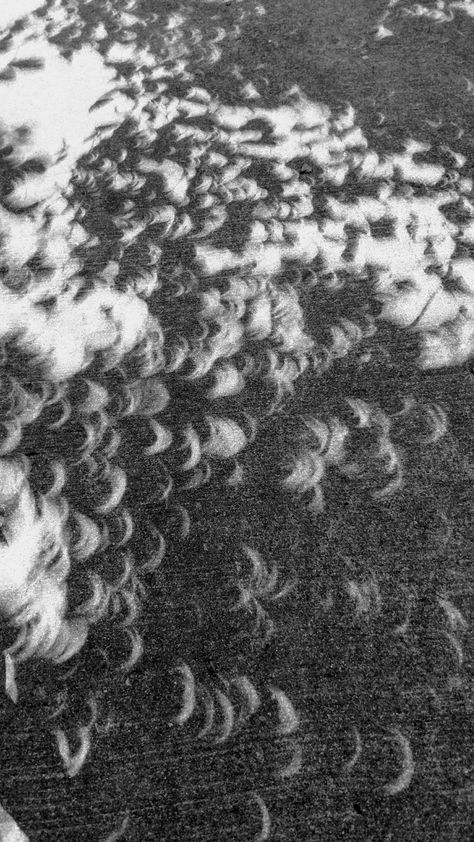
(236, 420)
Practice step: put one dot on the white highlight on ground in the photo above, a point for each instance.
(9, 830)
(12, 10)
(412, 295)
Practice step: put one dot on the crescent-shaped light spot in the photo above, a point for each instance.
(191, 443)
(163, 438)
(456, 646)
(132, 608)
(98, 601)
(185, 525)
(354, 592)
(111, 448)
(200, 477)
(177, 356)
(184, 227)
(215, 221)
(220, 34)
(166, 217)
(388, 453)
(63, 700)
(264, 833)
(158, 555)
(11, 688)
(270, 581)
(236, 478)
(94, 432)
(258, 568)
(366, 596)
(453, 614)
(118, 834)
(438, 422)
(357, 751)
(12, 437)
(210, 709)
(361, 410)
(59, 478)
(73, 762)
(89, 538)
(227, 711)
(405, 777)
(57, 392)
(126, 522)
(165, 492)
(65, 415)
(93, 707)
(252, 427)
(118, 482)
(96, 399)
(295, 764)
(284, 590)
(125, 575)
(392, 487)
(250, 696)
(188, 703)
(320, 431)
(203, 186)
(136, 650)
(308, 471)
(289, 720)
(409, 404)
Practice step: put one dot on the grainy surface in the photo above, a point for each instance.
(306, 671)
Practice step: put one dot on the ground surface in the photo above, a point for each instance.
(301, 658)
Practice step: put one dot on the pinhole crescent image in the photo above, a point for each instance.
(236, 420)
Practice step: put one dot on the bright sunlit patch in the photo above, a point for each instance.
(9, 830)
(22, 531)
(12, 10)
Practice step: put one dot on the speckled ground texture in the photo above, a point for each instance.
(236, 403)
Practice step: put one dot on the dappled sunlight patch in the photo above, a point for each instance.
(220, 318)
